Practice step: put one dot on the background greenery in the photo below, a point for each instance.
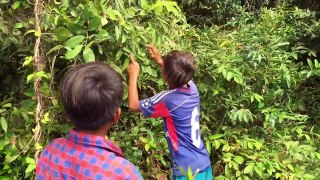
(258, 76)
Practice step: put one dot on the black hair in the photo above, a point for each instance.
(179, 68)
(91, 93)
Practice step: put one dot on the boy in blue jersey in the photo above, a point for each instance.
(179, 107)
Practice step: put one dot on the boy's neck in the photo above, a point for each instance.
(100, 132)
(183, 86)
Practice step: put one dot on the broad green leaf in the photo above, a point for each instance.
(125, 64)
(86, 13)
(290, 167)
(88, 55)
(7, 105)
(18, 25)
(74, 52)
(30, 160)
(4, 124)
(226, 147)
(147, 147)
(30, 168)
(102, 34)
(229, 75)
(65, 3)
(249, 168)
(75, 28)
(28, 60)
(308, 176)
(94, 23)
(16, 5)
(74, 41)
(239, 159)
(216, 136)
(55, 48)
(238, 173)
(258, 170)
(217, 144)
(111, 13)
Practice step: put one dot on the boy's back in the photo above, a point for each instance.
(180, 109)
(84, 156)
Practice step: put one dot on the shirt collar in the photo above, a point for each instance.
(93, 140)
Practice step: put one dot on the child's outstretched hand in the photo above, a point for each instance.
(133, 68)
(154, 54)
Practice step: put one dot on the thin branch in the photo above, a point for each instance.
(39, 67)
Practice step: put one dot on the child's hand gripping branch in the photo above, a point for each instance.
(155, 55)
(133, 71)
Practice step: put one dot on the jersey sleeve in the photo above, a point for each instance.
(154, 106)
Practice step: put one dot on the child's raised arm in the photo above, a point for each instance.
(133, 71)
(154, 54)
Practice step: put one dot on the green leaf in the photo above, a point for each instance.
(216, 136)
(30, 160)
(102, 34)
(117, 32)
(308, 176)
(147, 147)
(62, 33)
(94, 23)
(226, 147)
(74, 52)
(182, 171)
(258, 170)
(54, 49)
(88, 55)
(111, 13)
(7, 105)
(229, 75)
(75, 28)
(239, 159)
(18, 25)
(4, 124)
(74, 41)
(65, 3)
(290, 167)
(87, 14)
(30, 168)
(16, 5)
(189, 173)
(249, 168)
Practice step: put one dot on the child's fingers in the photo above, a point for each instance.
(151, 47)
(131, 58)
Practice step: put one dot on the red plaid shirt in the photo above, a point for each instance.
(84, 156)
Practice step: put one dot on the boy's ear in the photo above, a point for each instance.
(116, 116)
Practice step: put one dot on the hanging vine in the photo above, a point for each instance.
(39, 66)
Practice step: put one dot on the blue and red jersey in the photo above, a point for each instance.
(180, 109)
(84, 156)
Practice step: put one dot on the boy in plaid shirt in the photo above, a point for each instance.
(91, 95)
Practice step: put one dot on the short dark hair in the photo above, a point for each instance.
(91, 93)
(179, 68)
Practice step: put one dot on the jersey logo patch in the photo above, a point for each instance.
(146, 103)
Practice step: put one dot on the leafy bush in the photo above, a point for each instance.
(258, 101)
(247, 78)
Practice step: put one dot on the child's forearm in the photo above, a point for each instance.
(133, 95)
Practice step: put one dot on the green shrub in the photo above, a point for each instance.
(258, 109)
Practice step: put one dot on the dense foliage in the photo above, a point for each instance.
(258, 76)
